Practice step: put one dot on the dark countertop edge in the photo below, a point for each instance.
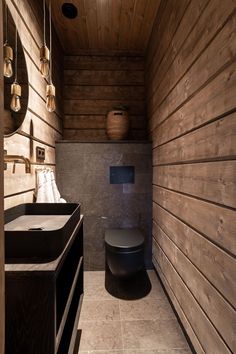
(103, 142)
(43, 267)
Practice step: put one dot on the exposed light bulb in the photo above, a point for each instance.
(16, 94)
(50, 98)
(50, 103)
(7, 68)
(15, 103)
(7, 61)
(44, 68)
(44, 61)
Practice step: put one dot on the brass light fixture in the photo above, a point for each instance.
(15, 87)
(7, 51)
(44, 51)
(50, 89)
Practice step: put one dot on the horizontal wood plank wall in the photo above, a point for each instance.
(40, 128)
(93, 85)
(191, 90)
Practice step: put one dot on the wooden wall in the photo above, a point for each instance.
(191, 85)
(93, 85)
(40, 128)
(2, 276)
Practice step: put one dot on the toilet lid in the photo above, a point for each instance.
(124, 239)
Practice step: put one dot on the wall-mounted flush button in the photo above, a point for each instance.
(40, 153)
(122, 174)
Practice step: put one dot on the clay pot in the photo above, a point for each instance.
(117, 125)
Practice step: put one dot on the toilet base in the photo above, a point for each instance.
(125, 264)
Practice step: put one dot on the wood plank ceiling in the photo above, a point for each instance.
(106, 25)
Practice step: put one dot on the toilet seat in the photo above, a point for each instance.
(124, 240)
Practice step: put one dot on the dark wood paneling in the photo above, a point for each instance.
(170, 14)
(101, 106)
(209, 299)
(201, 252)
(195, 78)
(190, 19)
(99, 121)
(103, 77)
(206, 333)
(215, 222)
(96, 62)
(104, 92)
(123, 25)
(40, 128)
(184, 320)
(197, 145)
(191, 89)
(213, 181)
(92, 89)
(217, 99)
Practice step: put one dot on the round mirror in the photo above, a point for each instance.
(15, 70)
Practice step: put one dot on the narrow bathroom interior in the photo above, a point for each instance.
(118, 178)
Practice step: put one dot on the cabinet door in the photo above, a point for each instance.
(30, 313)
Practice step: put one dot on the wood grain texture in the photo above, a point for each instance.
(101, 106)
(121, 25)
(212, 342)
(166, 27)
(198, 146)
(213, 181)
(104, 77)
(201, 251)
(217, 98)
(99, 121)
(191, 86)
(103, 62)
(187, 326)
(188, 21)
(97, 84)
(40, 128)
(215, 222)
(207, 296)
(195, 78)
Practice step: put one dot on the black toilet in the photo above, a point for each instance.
(124, 251)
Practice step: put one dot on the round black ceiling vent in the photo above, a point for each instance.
(69, 10)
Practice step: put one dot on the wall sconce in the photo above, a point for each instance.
(7, 51)
(44, 51)
(15, 87)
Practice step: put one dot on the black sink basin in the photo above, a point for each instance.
(38, 232)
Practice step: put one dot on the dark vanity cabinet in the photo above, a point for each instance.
(43, 301)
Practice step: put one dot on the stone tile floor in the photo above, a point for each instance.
(113, 325)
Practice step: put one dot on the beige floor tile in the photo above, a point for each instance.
(168, 351)
(106, 352)
(146, 309)
(93, 276)
(156, 290)
(100, 310)
(94, 286)
(100, 335)
(149, 334)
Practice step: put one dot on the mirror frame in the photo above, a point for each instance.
(26, 67)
